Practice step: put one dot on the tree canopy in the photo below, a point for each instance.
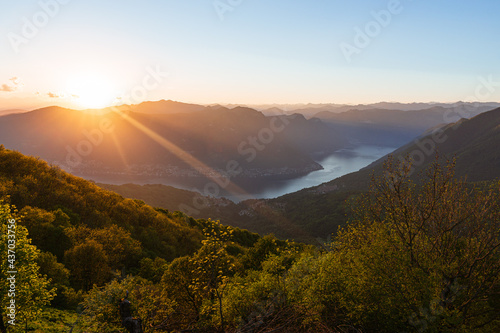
(23, 290)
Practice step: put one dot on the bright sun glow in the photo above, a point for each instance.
(92, 91)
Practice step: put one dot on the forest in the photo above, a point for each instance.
(418, 254)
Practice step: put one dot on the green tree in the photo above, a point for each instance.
(118, 247)
(421, 253)
(122, 250)
(177, 284)
(152, 270)
(260, 251)
(213, 265)
(88, 264)
(261, 300)
(47, 229)
(101, 314)
(58, 276)
(26, 288)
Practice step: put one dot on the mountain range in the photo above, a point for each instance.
(190, 144)
(310, 110)
(194, 143)
(313, 214)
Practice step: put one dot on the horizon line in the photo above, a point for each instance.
(249, 104)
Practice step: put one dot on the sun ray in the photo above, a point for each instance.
(223, 181)
(234, 189)
(120, 150)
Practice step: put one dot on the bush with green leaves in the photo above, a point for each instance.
(101, 306)
(31, 290)
(421, 253)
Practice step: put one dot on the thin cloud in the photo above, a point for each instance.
(13, 86)
(53, 95)
(7, 88)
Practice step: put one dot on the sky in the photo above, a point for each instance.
(89, 53)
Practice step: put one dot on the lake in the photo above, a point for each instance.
(336, 165)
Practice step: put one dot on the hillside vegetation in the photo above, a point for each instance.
(416, 256)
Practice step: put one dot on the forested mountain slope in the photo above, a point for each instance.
(313, 214)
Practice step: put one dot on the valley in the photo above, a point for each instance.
(314, 213)
(188, 145)
(259, 184)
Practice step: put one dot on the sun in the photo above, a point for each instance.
(91, 90)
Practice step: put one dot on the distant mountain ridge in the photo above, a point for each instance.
(313, 214)
(164, 107)
(391, 126)
(311, 109)
(473, 142)
(194, 142)
(11, 111)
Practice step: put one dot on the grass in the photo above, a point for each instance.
(51, 321)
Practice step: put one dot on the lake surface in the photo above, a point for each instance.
(338, 164)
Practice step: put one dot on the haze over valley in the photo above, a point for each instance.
(246, 153)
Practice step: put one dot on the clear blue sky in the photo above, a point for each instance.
(262, 51)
